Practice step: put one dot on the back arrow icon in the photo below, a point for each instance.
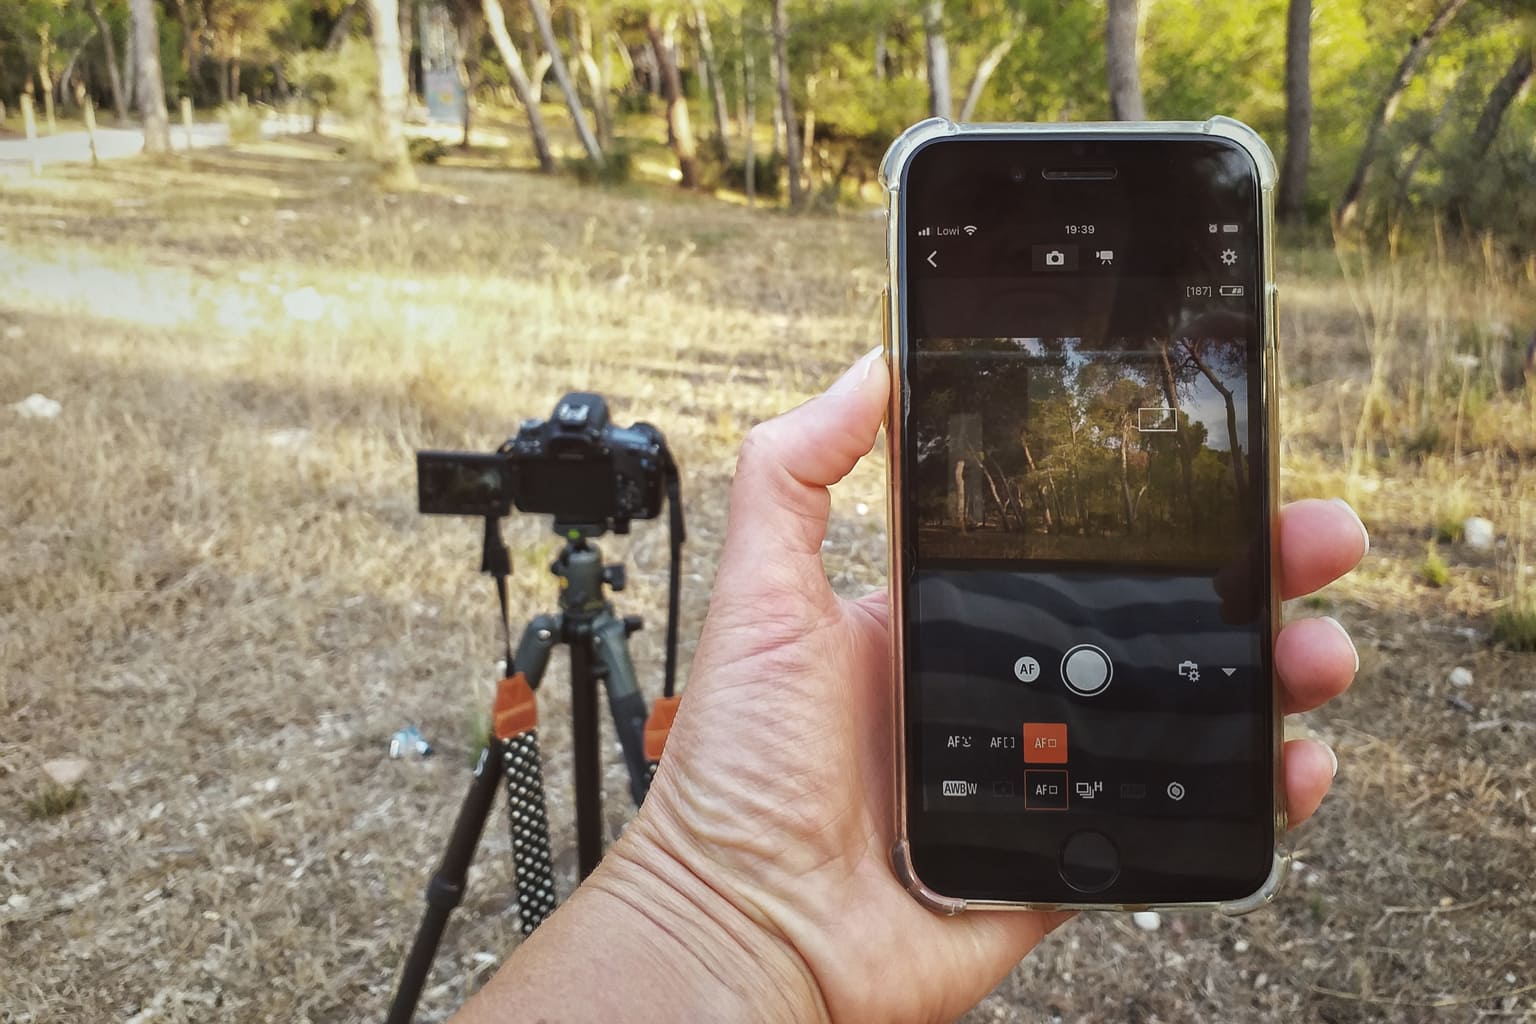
(931, 255)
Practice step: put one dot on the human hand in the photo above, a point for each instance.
(762, 851)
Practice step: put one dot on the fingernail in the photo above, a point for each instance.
(1336, 624)
(1361, 523)
(1334, 758)
(855, 376)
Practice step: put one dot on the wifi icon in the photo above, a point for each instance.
(970, 229)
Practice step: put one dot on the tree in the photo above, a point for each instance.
(114, 77)
(563, 77)
(151, 85)
(984, 72)
(1125, 102)
(390, 151)
(712, 69)
(679, 132)
(496, 23)
(787, 106)
(1291, 201)
(1418, 49)
(1499, 99)
(939, 103)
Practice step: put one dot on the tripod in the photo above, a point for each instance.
(598, 642)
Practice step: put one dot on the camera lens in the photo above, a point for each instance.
(1016, 175)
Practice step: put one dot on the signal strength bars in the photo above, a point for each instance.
(924, 232)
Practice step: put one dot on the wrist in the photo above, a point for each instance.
(721, 962)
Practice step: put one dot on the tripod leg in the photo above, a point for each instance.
(446, 889)
(516, 728)
(585, 751)
(610, 645)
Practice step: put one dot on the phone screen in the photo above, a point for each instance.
(1085, 527)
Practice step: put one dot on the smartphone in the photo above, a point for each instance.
(1081, 329)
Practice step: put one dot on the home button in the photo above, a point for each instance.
(1089, 861)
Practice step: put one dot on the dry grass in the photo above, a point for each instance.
(229, 618)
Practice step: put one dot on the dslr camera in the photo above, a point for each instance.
(590, 475)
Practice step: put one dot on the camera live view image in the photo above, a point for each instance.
(1066, 450)
(359, 359)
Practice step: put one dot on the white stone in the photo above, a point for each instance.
(1147, 920)
(293, 437)
(861, 508)
(1240, 946)
(67, 771)
(1460, 676)
(14, 332)
(37, 407)
(1478, 533)
(16, 901)
(304, 304)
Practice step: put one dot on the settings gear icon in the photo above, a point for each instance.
(1229, 256)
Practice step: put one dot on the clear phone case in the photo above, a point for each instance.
(892, 170)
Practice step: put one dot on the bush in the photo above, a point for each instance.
(768, 175)
(342, 80)
(1435, 572)
(1515, 626)
(244, 122)
(426, 151)
(618, 167)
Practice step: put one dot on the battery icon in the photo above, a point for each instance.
(1231, 291)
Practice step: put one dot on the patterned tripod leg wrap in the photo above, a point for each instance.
(520, 764)
(657, 727)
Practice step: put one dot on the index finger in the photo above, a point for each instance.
(1320, 540)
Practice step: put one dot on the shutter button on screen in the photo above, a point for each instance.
(1089, 861)
(1087, 670)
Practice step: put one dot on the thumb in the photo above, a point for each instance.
(779, 499)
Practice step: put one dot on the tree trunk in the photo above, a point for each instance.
(1349, 203)
(131, 65)
(777, 145)
(45, 77)
(679, 132)
(341, 27)
(234, 70)
(1125, 102)
(1127, 505)
(939, 103)
(597, 83)
(151, 86)
(496, 22)
(1291, 202)
(786, 106)
(185, 18)
(114, 77)
(712, 68)
(749, 118)
(407, 21)
(983, 74)
(541, 65)
(882, 54)
(1499, 99)
(1181, 434)
(390, 150)
(567, 88)
(1234, 440)
(467, 62)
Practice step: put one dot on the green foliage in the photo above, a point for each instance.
(342, 80)
(52, 801)
(426, 150)
(1434, 570)
(767, 175)
(243, 121)
(617, 169)
(1515, 626)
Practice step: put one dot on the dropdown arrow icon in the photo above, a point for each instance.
(1229, 672)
